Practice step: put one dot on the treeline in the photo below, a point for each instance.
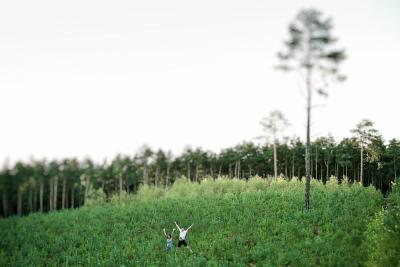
(51, 185)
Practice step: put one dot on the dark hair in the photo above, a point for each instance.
(168, 235)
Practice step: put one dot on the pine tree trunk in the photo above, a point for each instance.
(19, 204)
(308, 177)
(64, 189)
(292, 166)
(120, 184)
(35, 198)
(361, 165)
(41, 189)
(30, 200)
(66, 199)
(316, 163)
(55, 192)
(167, 178)
(188, 171)
(275, 162)
(72, 196)
(51, 197)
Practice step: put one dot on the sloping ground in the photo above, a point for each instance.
(236, 223)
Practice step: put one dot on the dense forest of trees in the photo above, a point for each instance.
(50, 185)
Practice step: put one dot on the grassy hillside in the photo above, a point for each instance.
(236, 223)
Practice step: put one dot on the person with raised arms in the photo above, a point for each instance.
(182, 237)
(169, 239)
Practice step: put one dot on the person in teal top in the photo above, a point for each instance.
(169, 240)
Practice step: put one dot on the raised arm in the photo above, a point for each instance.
(189, 227)
(173, 229)
(177, 226)
(165, 232)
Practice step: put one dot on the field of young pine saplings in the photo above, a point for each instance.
(235, 223)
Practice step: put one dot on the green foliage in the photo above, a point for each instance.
(239, 223)
(95, 197)
(383, 234)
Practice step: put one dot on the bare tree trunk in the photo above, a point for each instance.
(292, 166)
(188, 170)
(308, 178)
(72, 196)
(327, 170)
(361, 165)
(35, 198)
(51, 198)
(120, 183)
(239, 169)
(64, 188)
(30, 200)
(167, 178)
(235, 171)
(275, 162)
(286, 169)
(66, 199)
(197, 173)
(156, 178)
(19, 204)
(5, 203)
(220, 170)
(316, 163)
(55, 192)
(41, 189)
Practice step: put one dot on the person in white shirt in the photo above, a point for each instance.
(182, 237)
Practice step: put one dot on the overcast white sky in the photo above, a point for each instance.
(95, 78)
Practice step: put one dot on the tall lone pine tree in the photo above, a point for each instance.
(309, 51)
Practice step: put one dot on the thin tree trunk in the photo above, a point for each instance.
(188, 171)
(41, 189)
(292, 166)
(275, 162)
(167, 178)
(308, 178)
(316, 163)
(30, 200)
(239, 169)
(51, 198)
(361, 165)
(286, 169)
(19, 204)
(64, 188)
(120, 183)
(219, 170)
(197, 173)
(35, 198)
(66, 199)
(55, 192)
(250, 171)
(72, 196)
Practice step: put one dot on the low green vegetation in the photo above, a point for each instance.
(236, 223)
